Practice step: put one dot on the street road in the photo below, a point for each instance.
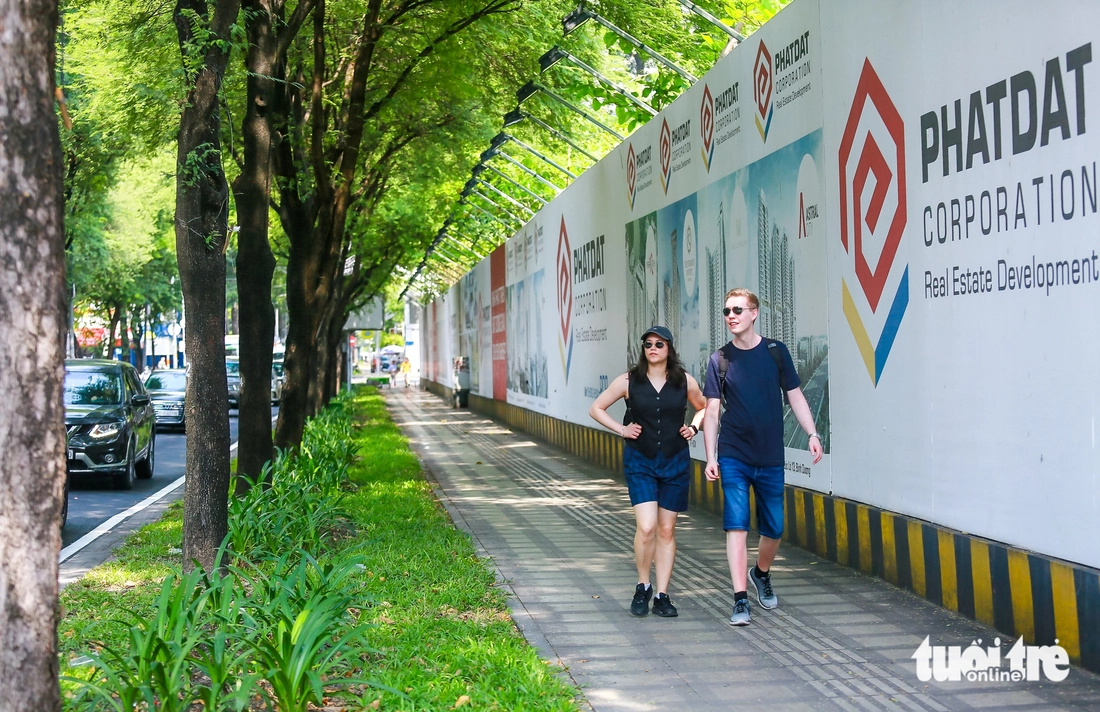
(92, 500)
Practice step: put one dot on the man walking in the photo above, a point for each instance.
(749, 374)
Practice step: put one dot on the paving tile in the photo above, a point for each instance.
(559, 532)
(999, 699)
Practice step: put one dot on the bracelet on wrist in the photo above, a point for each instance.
(814, 435)
(694, 427)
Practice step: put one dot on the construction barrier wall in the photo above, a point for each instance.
(912, 191)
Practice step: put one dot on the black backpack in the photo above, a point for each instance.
(724, 363)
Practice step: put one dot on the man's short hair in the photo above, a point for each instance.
(754, 303)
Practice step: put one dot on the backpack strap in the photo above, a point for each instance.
(777, 356)
(723, 366)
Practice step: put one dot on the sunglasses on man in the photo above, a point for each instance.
(736, 310)
(653, 344)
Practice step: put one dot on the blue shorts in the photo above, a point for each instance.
(767, 484)
(664, 480)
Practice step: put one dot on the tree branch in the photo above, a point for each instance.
(492, 8)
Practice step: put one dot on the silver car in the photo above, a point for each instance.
(278, 379)
(167, 387)
(233, 378)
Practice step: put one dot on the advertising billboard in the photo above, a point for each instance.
(919, 221)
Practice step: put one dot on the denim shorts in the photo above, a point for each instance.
(767, 484)
(661, 479)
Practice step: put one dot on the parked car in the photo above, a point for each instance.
(278, 379)
(109, 421)
(233, 377)
(168, 387)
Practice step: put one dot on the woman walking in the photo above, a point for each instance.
(656, 463)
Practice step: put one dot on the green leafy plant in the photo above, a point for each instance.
(402, 603)
(154, 669)
(223, 655)
(304, 626)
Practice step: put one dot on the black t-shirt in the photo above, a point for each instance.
(752, 426)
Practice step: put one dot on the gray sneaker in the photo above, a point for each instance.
(764, 592)
(741, 612)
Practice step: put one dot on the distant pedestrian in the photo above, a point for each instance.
(749, 374)
(392, 368)
(656, 463)
(405, 368)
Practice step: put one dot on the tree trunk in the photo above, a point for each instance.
(314, 217)
(334, 344)
(124, 334)
(298, 359)
(112, 317)
(138, 344)
(255, 261)
(202, 206)
(32, 327)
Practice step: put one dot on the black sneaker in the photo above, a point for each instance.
(640, 605)
(662, 606)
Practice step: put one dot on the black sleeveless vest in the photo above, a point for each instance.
(661, 416)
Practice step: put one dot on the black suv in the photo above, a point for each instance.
(109, 420)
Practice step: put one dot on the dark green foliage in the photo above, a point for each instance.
(382, 599)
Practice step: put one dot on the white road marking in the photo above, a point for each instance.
(114, 521)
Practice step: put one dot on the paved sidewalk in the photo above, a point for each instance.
(560, 532)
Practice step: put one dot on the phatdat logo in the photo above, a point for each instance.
(675, 145)
(861, 159)
(631, 175)
(666, 155)
(565, 299)
(639, 171)
(762, 90)
(706, 126)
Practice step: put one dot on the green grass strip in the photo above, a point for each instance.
(444, 626)
(441, 626)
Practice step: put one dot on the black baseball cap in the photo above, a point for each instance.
(661, 331)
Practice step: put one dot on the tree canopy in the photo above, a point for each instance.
(348, 149)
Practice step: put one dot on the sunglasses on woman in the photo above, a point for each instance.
(653, 344)
(736, 310)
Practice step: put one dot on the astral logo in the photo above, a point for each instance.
(631, 175)
(706, 126)
(855, 219)
(762, 90)
(565, 299)
(975, 664)
(666, 155)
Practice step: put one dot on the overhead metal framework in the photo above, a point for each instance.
(516, 115)
(557, 54)
(514, 182)
(582, 15)
(531, 88)
(452, 252)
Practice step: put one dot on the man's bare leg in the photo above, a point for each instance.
(737, 554)
(765, 555)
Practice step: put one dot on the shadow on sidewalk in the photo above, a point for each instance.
(560, 532)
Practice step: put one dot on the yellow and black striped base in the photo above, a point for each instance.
(1017, 592)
